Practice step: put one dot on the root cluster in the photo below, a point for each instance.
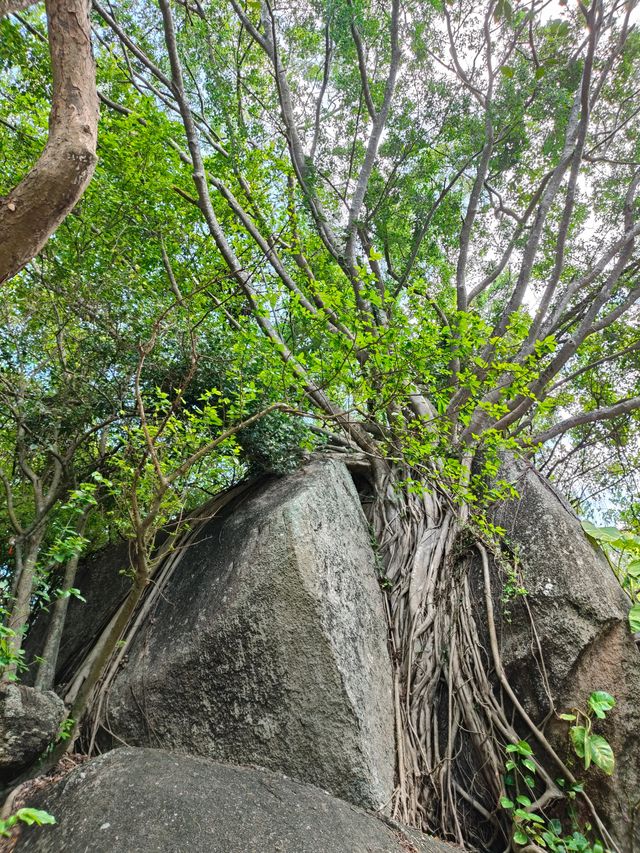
(455, 709)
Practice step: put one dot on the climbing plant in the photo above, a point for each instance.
(622, 550)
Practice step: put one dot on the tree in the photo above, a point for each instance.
(427, 214)
(112, 398)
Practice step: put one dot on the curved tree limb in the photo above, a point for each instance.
(11, 7)
(33, 210)
(624, 407)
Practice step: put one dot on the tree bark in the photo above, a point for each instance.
(45, 677)
(33, 210)
(21, 606)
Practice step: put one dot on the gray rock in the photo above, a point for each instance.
(268, 645)
(29, 722)
(144, 800)
(580, 615)
(103, 583)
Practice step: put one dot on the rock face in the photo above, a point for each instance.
(268, 644)
(150, 801)
(29, 722)
(102, 580)
(580, 615)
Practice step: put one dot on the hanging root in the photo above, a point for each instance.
(455, 710)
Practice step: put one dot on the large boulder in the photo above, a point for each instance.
(580, 616)
(29, 722)
(268, 644)
(104, 581)
(150, 801)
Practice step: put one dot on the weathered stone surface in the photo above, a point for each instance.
(580, 615)
(29, 722)
(146, 800)
(268, 645)
(103, 583)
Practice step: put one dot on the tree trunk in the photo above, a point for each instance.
(28, 552)
(33, 210)
(47, 667)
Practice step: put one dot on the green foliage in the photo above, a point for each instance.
(549, 833)
(592, 748)
(512, 587)
(8, 657)
(622, 550)
(28, 816)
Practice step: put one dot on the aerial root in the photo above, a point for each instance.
(451, 694)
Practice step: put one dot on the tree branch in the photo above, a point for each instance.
(624, 407)
(33, 210)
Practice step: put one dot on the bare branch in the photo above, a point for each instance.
(362, 67)
(624, 407)
(376, 133)
(315, 394)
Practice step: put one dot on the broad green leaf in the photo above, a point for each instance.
(523, 748)
(634, 618)
(607, 535)
(520, 837)
(506, 803)
(633, 569)
(578, 737)
(37, 816)
(536, 818)
(600, 702)
(601, 753)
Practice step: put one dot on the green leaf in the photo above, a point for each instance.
(529, 764)
(37, 816)
(524, 748)
(578, 736)
(523, 800)
(600, 702)
(634, 618)
(520, 837)
(536, 818)
(633, 569)
(601, 754)
(506, 803)
(507, 71)
(570, 717)
(608, 535)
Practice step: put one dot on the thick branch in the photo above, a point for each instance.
(10, 7)
(48, 193)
